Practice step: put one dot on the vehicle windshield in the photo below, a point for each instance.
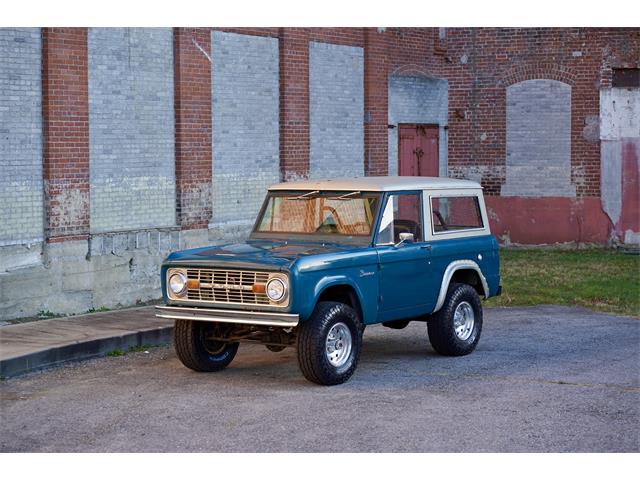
(320, 215)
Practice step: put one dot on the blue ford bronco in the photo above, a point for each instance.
(327, 258)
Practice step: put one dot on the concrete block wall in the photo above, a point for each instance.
(336, 110)
(131, 128)
(245, 105)
(538, 162)
(21, 178)
(420, 100)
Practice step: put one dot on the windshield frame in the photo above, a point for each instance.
(364, 240)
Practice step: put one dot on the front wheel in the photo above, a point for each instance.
(198, 350)
(329, 344)
(455, 329)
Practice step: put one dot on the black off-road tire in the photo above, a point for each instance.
(312, 337)
(440, 326)
(198, 354)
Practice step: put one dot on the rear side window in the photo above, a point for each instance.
(450, 214)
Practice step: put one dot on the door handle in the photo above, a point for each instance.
(426, 247)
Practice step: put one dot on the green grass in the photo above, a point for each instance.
(599, 279)
(141, 348)
(97, 310)
(132, 349)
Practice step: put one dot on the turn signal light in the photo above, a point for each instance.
(259, 288)
(193, 284)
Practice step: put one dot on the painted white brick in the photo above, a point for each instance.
(245, 130)
(538, 160)
(131, 128)
(21, 187)
(336, 110)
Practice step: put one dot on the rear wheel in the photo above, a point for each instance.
(329, 344)
(455, 329)
(196, 348)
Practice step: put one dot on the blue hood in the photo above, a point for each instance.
(256, 254)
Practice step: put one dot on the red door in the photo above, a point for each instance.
(418, 150)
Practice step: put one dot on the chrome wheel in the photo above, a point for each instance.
(338, 345)
(463, 320)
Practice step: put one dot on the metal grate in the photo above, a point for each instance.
(227, 286)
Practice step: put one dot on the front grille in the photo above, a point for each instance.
(227, 286)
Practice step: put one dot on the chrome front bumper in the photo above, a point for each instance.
(272, 319)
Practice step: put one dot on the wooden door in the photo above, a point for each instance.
(418, 150)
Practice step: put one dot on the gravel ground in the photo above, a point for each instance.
(542, 379)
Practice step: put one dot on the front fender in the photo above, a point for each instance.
(308, 298)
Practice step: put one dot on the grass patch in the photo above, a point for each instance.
(97, 310)
(141, 348)
(115, 353)
(44, 314)
(599, 279)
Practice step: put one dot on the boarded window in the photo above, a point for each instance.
(455, 213)
(626, 77)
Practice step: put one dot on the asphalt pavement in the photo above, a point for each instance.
(543, 379)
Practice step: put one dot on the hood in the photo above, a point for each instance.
(259, 254)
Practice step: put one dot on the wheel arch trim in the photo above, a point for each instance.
(452, 268)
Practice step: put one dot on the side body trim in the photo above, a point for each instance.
(448, 273)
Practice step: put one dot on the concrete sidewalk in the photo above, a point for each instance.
(30, 346)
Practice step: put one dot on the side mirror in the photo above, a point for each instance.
(405, 237)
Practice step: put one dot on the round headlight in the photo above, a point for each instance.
(178, 283)
(276, 289)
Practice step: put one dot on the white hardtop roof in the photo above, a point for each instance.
(377, 184)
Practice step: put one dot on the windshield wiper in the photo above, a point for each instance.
(304, 196)
(345, 196)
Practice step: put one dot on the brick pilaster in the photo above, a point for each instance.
(65, 104)
(375, 103)
(294, 103)
(192, 82)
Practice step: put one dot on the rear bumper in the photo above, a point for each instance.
(273, 319)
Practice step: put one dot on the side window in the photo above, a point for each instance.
(455, 213)
(402, 213)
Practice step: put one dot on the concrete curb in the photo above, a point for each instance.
(30, 346)
(91, 348)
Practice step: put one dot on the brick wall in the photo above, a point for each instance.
(182, 129)
(245, 105)
(294, 103)
(21, 188)
(336, 110)
(192, 80)
(131, 122)
(482, 63)
(66, 133)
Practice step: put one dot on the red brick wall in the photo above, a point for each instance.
(66, 133)
(294, 103)
(192, 83)
(481, 63)
(478, 63)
